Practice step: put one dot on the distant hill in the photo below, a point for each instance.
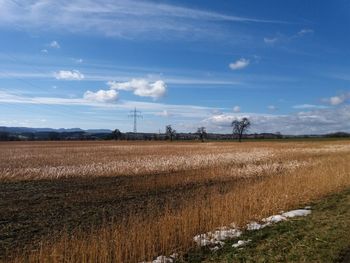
(30, 134)
(60, 130)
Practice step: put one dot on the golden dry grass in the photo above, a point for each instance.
(219, 183)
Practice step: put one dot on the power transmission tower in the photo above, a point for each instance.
(135, 114)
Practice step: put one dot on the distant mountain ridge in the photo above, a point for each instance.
(60, 130)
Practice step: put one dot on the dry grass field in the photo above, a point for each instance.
(132, 201)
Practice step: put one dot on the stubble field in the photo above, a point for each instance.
(132, 201)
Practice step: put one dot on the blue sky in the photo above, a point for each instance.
(283, 64)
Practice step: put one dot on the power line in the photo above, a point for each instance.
(135, 115)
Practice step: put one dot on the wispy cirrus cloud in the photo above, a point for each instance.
(270, 40)
(283, 38)
(309, 106)
(304, 32)
(315, 121)
(103, 100)
(123, 18)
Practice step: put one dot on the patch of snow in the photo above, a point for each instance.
(224, 234)
(216, 237)
(298, 212)
(274, 219)
(241, 243)
(255, 226)
(163, 259)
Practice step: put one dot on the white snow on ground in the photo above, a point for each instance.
(214, 240)
(255, 226)
(241, 243)
(294, 213)
(252, 226)
(163, 259)
(274, 219)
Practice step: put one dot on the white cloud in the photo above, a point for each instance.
(309, 106)
(188, 112)
(141, 87)
(317, 121)
(45, 51)
(239, 64)
(305, 31)
(54, 44)
(270, 41)
(69, 75)
(272, 108)
(336, 100)
(123, 18)
(78, 60)
(164, 113)
(106, 96)
(282, 38)
(236, 109)
(304, 122)
(125, 75)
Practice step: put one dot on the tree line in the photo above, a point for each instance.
(239, 128)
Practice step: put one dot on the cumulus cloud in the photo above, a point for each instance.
(141, 87)
(106, 96)
(239, 64)
(54, 44)
(337, 100)
(69, 75)
(236, 109)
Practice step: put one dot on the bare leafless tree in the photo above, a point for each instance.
(202, 133)
(170, 132)
(240, 127)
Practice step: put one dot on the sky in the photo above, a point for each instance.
(82, 63)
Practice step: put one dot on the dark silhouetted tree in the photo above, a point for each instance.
(239, 127)
(117, 135)
(170, 132)
(202, 133)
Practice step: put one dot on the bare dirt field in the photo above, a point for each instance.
(132, 201)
